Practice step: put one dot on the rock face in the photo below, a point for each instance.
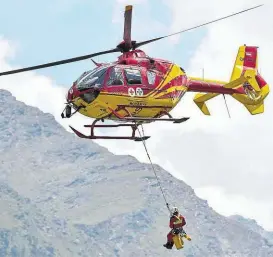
(65, 196)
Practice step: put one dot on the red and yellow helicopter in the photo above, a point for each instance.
(139, 89)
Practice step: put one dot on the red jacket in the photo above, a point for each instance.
(177, 222)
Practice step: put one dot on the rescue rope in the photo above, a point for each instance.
(144, 144)
(226, 105)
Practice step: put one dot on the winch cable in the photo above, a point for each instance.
(226, 105)
(148, 155)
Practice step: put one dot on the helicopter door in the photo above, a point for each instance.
(134, 81)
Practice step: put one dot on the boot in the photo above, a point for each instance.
(188, 237)
(169, 245)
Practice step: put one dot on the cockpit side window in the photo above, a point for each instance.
(115, 77)
(133, 76)
(101, 75)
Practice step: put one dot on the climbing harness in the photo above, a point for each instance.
(144, 144)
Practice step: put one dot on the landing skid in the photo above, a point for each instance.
(136, 121)
(133, 126)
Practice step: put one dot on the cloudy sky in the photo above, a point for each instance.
(227, 161)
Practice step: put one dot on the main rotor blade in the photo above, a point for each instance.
(222, 18)
(75, 59)
(127, 25)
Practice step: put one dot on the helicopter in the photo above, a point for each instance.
(138, 89)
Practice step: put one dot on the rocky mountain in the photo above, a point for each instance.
(65, 196)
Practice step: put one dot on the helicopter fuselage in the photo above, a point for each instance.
(135, 85)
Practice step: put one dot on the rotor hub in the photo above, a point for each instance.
(126, 47)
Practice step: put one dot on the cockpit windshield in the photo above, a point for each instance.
(90, 78)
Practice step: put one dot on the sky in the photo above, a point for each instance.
(226, 161)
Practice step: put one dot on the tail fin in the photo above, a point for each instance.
(246, 84)
(255, 88)
(247, 58)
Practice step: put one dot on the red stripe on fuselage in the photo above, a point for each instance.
(176, 82)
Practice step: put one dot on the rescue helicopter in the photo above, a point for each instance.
(138, 89)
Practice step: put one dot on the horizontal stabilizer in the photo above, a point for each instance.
(200, 101)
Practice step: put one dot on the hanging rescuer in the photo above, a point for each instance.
(177, 221)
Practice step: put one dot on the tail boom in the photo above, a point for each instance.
(208, 86)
